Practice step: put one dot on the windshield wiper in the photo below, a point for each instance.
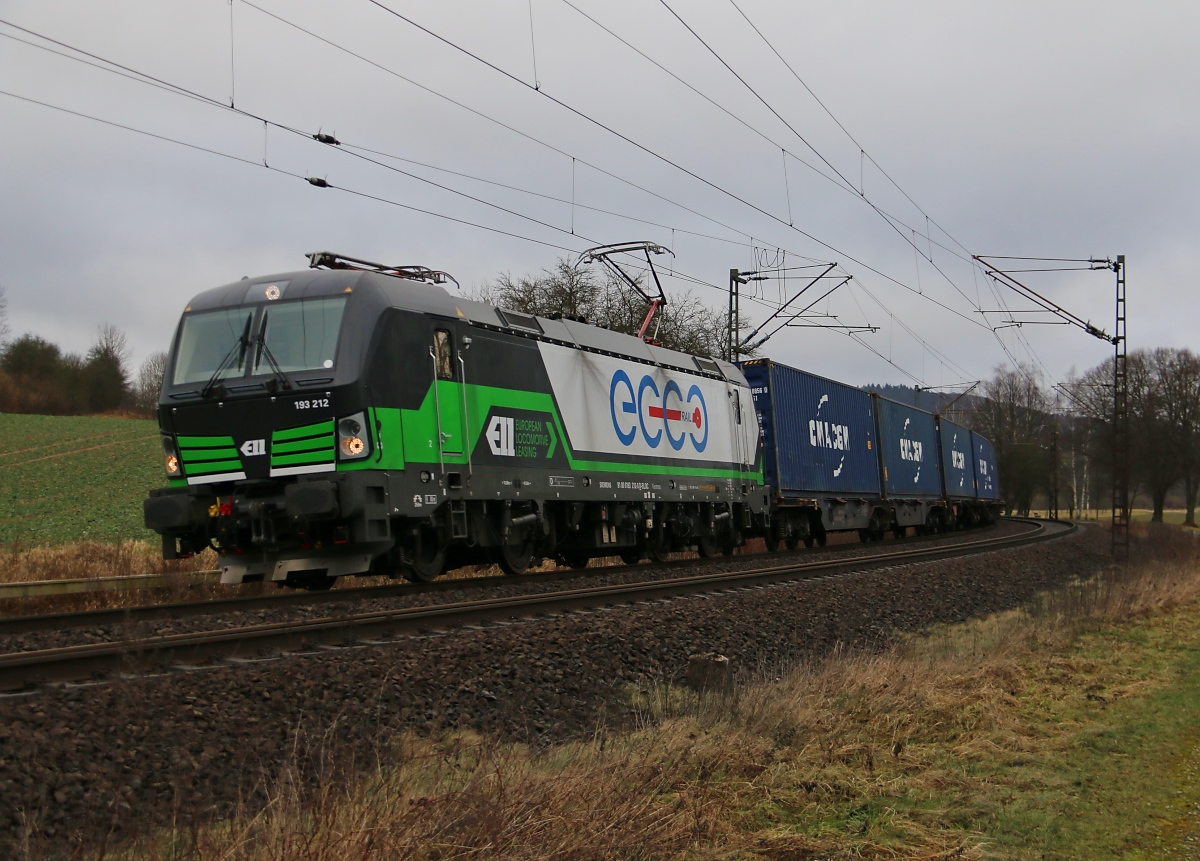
(264, 350)
(242, 343)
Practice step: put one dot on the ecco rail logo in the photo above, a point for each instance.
(254, 447)
(683, 419)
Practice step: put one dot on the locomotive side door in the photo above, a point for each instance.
(448, 394)
(743, 451)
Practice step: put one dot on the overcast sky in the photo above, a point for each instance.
(1067, 129)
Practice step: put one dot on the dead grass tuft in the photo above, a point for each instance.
(91, 559)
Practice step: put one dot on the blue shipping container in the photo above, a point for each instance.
(818, 435)
(908, 444)
(987, 479)
(958, 461)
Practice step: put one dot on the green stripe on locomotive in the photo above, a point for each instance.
(410, 436)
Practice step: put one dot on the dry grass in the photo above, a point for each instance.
(87, 560)
(903, 753)
(91, 559)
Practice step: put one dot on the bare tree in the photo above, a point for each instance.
(104, 374)
(1165, 441)
(5, 331)
(1013, 412)
(563, 290)
(684, 323)
(1164, 414)
(149, 382)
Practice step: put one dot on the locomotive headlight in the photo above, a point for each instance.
(170, 457)
(353, 442)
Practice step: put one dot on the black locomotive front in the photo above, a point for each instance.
(265, 428)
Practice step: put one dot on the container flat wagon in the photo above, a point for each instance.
(911, 467)
(820, 453)
(836, 458)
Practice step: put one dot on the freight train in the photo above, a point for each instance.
(355, 418)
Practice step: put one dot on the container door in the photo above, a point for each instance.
(447, 381)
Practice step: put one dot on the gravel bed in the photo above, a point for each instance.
(80, 762)
(592, 577)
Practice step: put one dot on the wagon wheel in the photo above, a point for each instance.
(427, 558)
(708, 546)
(772, 542)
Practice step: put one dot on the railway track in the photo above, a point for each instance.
(106, 616)
(145, 582)
(282, 600)
(22, 670)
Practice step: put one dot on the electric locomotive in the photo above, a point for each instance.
(357, 418)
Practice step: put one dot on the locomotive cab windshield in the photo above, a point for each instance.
(253, 341)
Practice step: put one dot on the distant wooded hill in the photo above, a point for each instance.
(931, 402)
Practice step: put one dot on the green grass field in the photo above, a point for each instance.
(63, 479)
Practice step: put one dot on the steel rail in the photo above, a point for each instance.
(122, 582)
(73, 663)
(82, 585)
(106, 616)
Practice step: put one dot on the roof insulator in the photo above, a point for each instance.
(326, 139)
(317, 181)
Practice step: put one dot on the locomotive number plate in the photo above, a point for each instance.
(314, 404)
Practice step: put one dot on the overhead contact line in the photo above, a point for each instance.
(136, 75)
(668, 161)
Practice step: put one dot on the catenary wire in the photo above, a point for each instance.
(140, 77)
(182, 91)
(862, 150)
(361, 194)
(668, 161)
(887, 218)
(927, 297)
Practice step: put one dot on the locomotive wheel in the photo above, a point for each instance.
(575, 559)
(515, 558)
(772, 542)
(631, 555)
(427, 559)
(656, 545)
(708, 546)
(808, 542)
